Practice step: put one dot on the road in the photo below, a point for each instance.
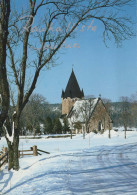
(101, 170)
(107, 170)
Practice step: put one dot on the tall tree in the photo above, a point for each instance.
(4, 85)
(48, 126)
(125, 112)
(33, 48)
(35, 112)
(134, 110)
(65, 127)
(86, 110)
(107, 102)
(57, 128)
(78, 125)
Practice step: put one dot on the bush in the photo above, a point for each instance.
(95, 131)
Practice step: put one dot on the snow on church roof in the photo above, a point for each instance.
(82, 109)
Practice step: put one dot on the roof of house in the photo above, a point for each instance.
(82, 109)
(72, 90)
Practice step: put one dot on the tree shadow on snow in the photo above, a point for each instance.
(4, 183)
(78, 182)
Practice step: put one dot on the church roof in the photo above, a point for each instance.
(82, 108)
(72, 90)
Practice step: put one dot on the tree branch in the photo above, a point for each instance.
(13, 65)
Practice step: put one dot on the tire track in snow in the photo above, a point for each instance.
(121, 166)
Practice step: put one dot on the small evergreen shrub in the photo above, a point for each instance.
(95, 131)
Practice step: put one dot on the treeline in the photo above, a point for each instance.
(41, 117)
(55, 126)
(36, 115)
(124, 112)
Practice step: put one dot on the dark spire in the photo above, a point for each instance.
(72, 89)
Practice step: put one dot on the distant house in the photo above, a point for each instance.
(83, 114)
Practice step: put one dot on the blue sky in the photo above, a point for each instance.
(111, 72)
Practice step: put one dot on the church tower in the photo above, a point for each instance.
(71, 94)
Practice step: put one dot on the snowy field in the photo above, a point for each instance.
(95, 165)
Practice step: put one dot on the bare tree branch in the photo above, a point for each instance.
(13, 65)
(23, 38)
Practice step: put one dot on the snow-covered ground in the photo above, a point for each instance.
(95, 165)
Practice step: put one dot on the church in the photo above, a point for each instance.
(83, 114)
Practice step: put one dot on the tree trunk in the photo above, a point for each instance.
(109, 135)
(16, 153)
(34, 131)
(13, 153)
(84, 132)
(4, 86)
(10, 156)
(125, 132)
(71, 135)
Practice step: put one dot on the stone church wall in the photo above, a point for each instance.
(67, 104)
(100, 119)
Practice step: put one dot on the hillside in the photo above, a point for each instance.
(55, 107)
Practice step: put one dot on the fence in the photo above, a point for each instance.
(34, 151)
(3, 157)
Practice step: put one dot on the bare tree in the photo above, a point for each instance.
(125, 112)
(32, 48)
(35, 112)
(86, 109)
(4, 86)
(133, 100)
(108, 103)
(82, 113)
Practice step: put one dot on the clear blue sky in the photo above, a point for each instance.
(111, 72)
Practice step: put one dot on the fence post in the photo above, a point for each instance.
(5, 150)
(35, 153)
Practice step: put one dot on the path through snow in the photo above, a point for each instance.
(100, 170)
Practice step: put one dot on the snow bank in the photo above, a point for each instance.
(94, 165)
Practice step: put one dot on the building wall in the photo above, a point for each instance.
(100, 119)
(67, 104)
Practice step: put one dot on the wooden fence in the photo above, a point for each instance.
(3, 157)
(34, 151)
